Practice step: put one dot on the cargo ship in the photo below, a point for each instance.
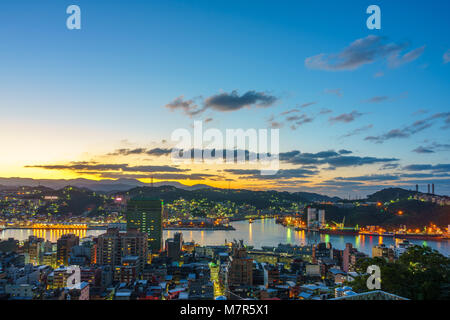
(340, 231)
(376, 234)
(418, 236)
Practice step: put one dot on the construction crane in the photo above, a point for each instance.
(340, 225)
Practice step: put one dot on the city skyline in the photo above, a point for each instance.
(358, 110)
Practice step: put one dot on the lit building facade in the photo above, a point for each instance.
(146, 215)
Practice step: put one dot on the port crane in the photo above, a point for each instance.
(340, 225)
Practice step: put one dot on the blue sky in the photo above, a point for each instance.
(74, 95)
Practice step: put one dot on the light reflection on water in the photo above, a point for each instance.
(264, 232)
(47, 234)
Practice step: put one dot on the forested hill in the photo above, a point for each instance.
(259, 199)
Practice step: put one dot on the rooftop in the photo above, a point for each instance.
(371, 295)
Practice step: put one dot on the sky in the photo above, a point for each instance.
(357, 109)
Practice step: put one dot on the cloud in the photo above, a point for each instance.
(361, 52)
(154, 169)
(141, 151)
(233, 101)
(373, 177)
(346, 117)
(417, 175)
(419, 112)
(395, 133)
(447, 121)
(295, 120)
(421, 149)
(336, 92)
(357, 131)
(159, 151)
(376, 99)
(159, 176)
(396, 60)
(339, 183)
(223, 102)
(417, 167)
(108, 167)
(325, 111)
(446, 56)
(357, 161)
(281, 174)
(412, 129)
(432, 148)
(80, 166)
(276, 125)
(299, 120)
(127, 152)
(189, 107)
(445, 168)
(330, 157)
(289, 111)
(389, 166)
(307, 104)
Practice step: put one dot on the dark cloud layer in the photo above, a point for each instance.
(281, 174)
(108, 167)
(374, 177)
(332, 158)
(445, 168)
(159, 176)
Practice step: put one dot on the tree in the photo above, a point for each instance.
(420, 273)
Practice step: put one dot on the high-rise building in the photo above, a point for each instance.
(240, 267)
(145, 215)
(350, 257)
(321, 218)
(34, 246)
(108, 248)
(174, 246)
(346, 256)
(311, 217)
(64, 247)
(113, 245)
